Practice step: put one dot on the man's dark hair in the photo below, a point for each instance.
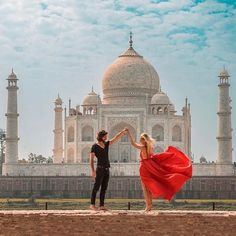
(101, 134)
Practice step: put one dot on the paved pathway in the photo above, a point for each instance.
(122, 223)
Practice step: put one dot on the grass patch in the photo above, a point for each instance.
(117, 200)
(115, 204)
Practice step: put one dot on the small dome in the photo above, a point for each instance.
(92, 99)
(224, 73)
(160, 98)
(58, 101)
(203, 159)
(12, 75)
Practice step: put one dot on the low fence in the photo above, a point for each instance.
(115, 204)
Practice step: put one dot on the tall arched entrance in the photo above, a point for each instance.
(122, 150)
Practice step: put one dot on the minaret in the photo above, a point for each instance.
(58, 132)
(12, 139)
(224, 129)
(187, 128)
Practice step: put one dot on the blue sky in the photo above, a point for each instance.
(64, 47)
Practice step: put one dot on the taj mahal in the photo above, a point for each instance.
(133, 98)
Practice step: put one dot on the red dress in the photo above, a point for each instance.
(165, 173)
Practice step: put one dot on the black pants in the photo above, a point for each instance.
(102, 179)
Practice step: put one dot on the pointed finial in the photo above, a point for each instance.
(224, 73)
(130, 39)
(69, 103)
(92, 89)
(12, 75)
(65, 112)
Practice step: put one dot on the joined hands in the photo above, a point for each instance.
(125, 131)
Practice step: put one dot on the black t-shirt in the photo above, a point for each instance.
(101, 154)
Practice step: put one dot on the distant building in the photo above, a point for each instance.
(132, 98)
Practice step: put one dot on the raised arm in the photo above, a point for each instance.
(136, 145)
(117, 136)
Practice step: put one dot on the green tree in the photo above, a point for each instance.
(34, 158)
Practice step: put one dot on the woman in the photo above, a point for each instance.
(163, 174)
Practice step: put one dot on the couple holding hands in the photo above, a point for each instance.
(162, 174)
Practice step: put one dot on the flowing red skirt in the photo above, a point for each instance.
(165, 173)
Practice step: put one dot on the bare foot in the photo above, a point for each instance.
(148, 208)
(93, 208)
(102, 208)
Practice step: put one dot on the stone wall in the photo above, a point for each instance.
(117, 169)
(119, 187)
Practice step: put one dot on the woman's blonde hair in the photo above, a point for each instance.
(149, 142)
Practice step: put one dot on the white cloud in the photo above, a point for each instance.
(65, 46)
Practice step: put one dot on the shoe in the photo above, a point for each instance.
(93, 208)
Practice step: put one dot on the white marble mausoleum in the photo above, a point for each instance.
(132, 97)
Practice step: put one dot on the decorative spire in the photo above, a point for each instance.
(12, 73)
(92, 89)
(12, 76)
(130, 52)
(130, 39)
(58, 100)
(224, 74)
(69, 104)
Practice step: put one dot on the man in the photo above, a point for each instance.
(100, 151)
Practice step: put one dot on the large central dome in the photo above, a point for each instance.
(129, 80)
